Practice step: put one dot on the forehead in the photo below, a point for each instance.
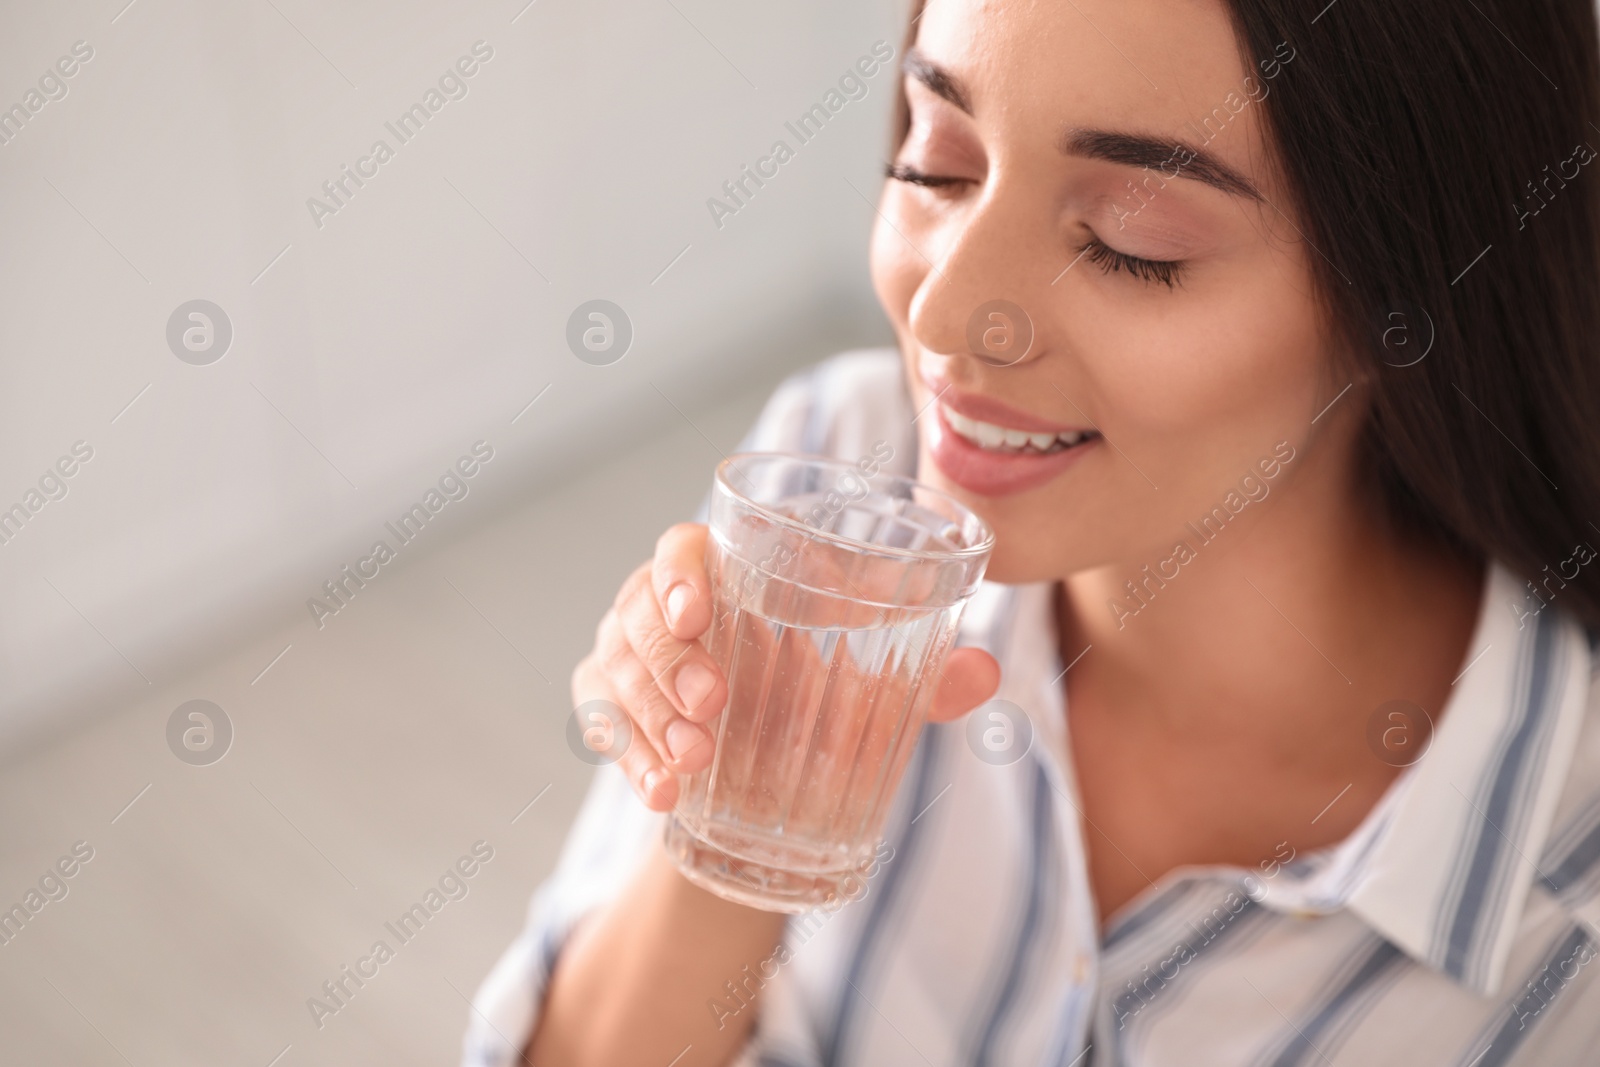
(1149, 66)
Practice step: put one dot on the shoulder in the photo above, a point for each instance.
(851, 404)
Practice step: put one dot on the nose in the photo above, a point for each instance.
(987, 295)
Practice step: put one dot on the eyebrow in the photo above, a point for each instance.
(1164, 157)
(938, 80)
(1125, 149)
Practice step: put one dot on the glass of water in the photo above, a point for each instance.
(837, 590)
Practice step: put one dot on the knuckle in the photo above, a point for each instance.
(648, 707)
(659, 649)
(613, 655)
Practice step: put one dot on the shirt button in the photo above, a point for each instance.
(1080, 968)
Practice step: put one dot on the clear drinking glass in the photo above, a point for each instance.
(837, 591)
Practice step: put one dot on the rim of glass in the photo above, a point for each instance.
(982, 547)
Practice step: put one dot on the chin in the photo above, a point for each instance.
(1010, 563)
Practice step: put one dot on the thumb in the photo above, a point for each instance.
(971, 677)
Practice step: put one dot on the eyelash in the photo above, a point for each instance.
(1168, 272)
(902, 173)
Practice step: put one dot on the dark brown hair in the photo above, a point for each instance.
(1429, 147)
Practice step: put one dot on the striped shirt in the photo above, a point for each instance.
(1455, 927)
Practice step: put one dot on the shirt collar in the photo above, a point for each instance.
(1441, 865)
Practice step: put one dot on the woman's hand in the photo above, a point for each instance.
(649, 661)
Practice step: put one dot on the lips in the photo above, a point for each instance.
(989, 448)
(988, 409)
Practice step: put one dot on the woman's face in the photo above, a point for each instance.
(1167, 289)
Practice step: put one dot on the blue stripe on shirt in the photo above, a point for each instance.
(1575, 859)
(1485, 873)
(1530, 1005)
(1339, 1008)
(1033, 905)
(884, 901)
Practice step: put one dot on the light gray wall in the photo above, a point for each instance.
(366, 760)
(367, 356)
(372, 346)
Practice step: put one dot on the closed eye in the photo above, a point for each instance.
(900, 172)
(1168, 272)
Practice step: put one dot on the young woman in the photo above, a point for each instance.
(1261, 333)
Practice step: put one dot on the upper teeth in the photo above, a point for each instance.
(988, 435)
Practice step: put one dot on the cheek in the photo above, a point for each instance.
(1224, 377)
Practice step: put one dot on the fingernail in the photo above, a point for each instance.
(694, 682)
(654, 781)
(679, 597)
(683, 737)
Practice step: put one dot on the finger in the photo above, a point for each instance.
(639, 763)
(683, 670)
(685, 747)
(678, 578)
(971, 676)
(656, 786)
